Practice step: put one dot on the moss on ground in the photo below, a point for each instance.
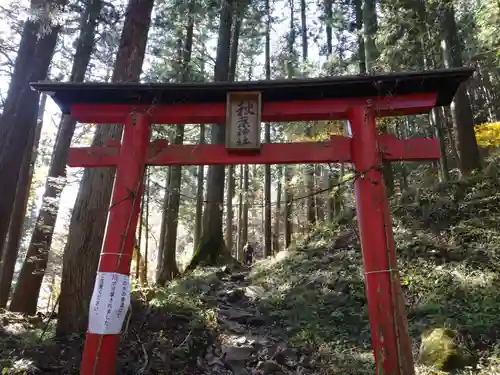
(440, 349)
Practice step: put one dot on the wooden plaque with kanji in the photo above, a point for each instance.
(243, 120)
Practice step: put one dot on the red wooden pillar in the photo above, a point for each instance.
(391, 342)
(111, 297)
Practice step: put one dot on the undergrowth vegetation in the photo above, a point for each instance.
(448, 245)
(313, 297)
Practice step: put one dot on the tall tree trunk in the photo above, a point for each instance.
(246, 201)
(448, 129)
(371, 55)
(146, 235)
(330, 203)
(52, 296)
(287, 173)
(487, 91)
(140, 264)
(319, 201)
(369, 34)
(9, 257)
(288, 207)
(358, 10)
(138, 241)
(429, 62)
(30, 280)
(212, 249)
(240, 244)
(311, 211)
(469, 158)
(277, 218)
(328, 4)
(437, 124)
(20, 109)
(330, 198)
(163, 226)
(88, 222)
(200, 185)
(235, 42)
(199, 195)
(230, 170)
(303, 30)
(267, 139)
(403, 134)
(169, 269)
(229, 208)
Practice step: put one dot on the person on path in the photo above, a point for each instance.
(248, 254)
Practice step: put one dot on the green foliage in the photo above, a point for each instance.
(182, 297)
(21, 331)
(317, 297)
(304, 280)
(449, 275)
(488, 21)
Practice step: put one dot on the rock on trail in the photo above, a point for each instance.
(248, 344)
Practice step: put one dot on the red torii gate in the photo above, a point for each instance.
(359, 99)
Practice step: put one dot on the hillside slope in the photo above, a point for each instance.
(304, 311)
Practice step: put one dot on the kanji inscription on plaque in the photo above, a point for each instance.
(243, 120)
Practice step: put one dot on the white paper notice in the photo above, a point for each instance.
(109, 304)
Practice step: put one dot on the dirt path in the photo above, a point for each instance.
(161, 340)
(249, 342)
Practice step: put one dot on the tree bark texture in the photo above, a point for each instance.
(199, 195)
(233, 60)
(21, 106)
(83, 247)
(28, 287)
(9, 257)
(212, 248)
(288, 170)
(163, 225)
(169, 269)
(268, 250)
(469, 158)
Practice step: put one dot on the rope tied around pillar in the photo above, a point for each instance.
(362, 175)
(381, 271)
(133, 195)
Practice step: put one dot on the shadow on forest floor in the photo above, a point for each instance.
(167, 329)
(318, 296)
(448, 245)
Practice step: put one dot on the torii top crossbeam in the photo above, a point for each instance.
(327, 97)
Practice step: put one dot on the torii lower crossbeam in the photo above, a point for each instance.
(337, 149)
(358, 99)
